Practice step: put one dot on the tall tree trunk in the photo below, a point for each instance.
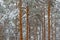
(49, 19)
(21, 34)
(27, 24)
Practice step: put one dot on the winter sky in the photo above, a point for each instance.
(58, 0)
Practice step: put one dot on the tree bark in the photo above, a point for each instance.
(21, 34)
(49, 19)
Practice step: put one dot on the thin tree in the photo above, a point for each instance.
(21, 34)
(27, 25)
(49, 19)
